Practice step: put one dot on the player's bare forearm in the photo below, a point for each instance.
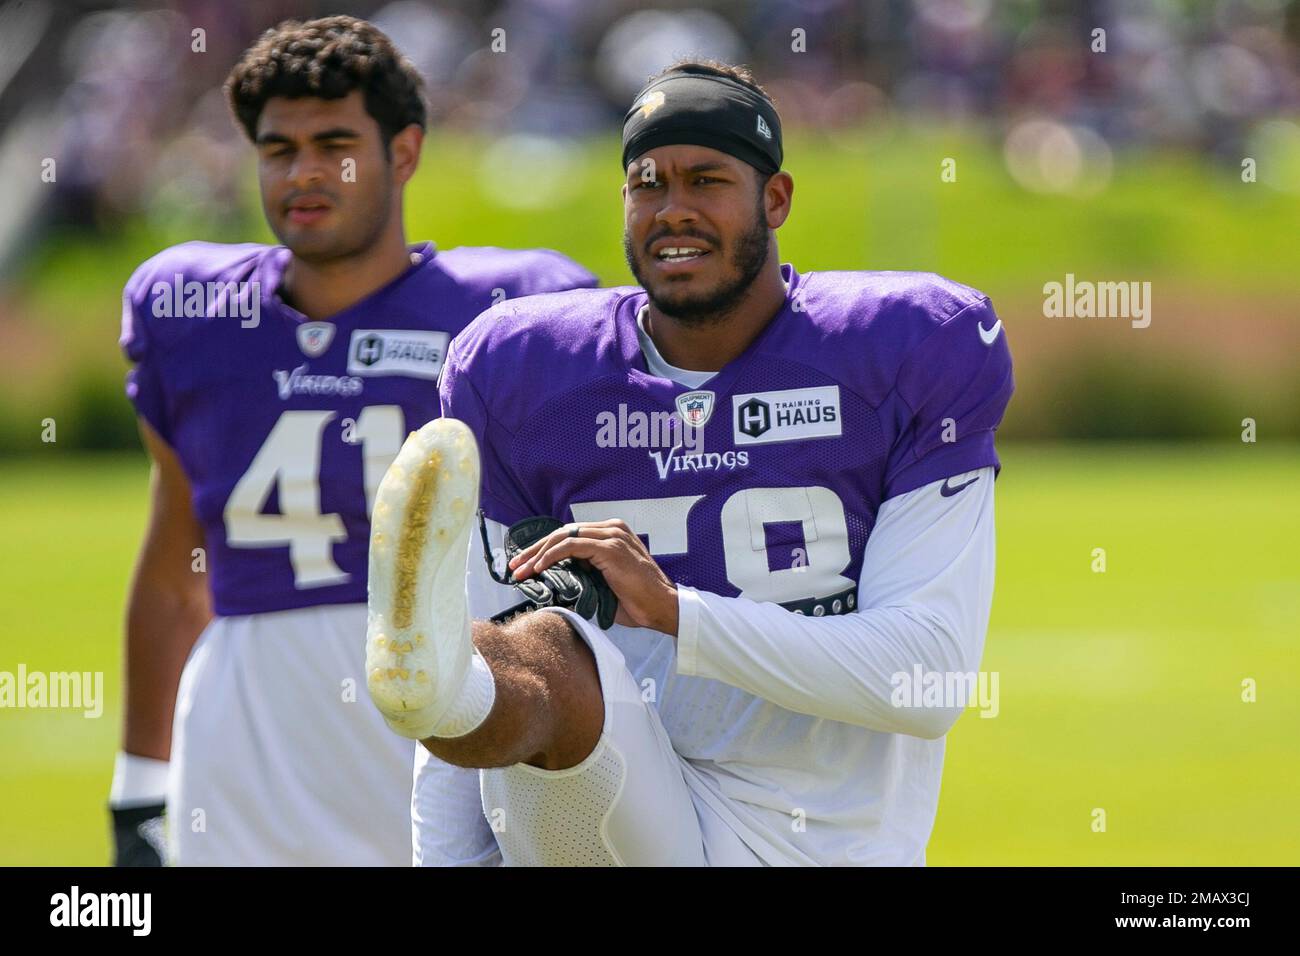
(167, 608)
(161, 630)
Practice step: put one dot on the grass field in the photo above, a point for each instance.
(1118, 690)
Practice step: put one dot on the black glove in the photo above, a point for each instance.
(571, 583)
(139, 838)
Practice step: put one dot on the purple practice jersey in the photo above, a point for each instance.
(765, 482)
(285, 426)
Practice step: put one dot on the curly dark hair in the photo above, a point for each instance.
(327, 58)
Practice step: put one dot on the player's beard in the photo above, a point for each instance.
(747, 259)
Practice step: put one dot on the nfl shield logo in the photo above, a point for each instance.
(695, 408)
(315, 337)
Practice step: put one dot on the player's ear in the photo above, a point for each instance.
(777, 195)
(404, 152)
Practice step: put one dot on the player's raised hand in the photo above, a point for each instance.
(646, 597)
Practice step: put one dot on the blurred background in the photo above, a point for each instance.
(1003, 144)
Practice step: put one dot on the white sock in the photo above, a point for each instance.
(473, 702)
(137, 781)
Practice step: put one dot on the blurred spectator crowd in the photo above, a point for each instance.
(138, 117)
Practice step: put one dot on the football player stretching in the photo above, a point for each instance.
(741, 504)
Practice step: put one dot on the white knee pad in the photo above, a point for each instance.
(626, 804)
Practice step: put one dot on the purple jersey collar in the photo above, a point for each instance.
(625, 312)
(270, 274)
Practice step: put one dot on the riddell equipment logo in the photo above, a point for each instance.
(793, 414)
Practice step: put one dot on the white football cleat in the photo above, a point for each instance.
(421, 668)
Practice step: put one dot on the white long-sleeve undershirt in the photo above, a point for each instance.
(924, 597)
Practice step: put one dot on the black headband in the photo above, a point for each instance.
(704, 110)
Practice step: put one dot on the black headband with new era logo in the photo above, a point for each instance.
(703, 109)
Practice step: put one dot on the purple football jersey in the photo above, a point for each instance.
(765, 482)
(285, 426)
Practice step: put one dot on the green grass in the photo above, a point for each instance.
(71, 526)
(861, 202)
(1118, 690)
(1122, 690)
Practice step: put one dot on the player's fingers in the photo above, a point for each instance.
(559, 545)
(527, 553)
(632, 539)
(540, 544)
(545, 558)
(617, 524)
(608, 529)
(568, 547)
(597, 550)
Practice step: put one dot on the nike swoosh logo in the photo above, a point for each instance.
(988, 335)
(947, 489)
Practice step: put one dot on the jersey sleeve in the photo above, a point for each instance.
(144, 382)
(514, 274)
(953, 389)
(559, 274)
(501, 495)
